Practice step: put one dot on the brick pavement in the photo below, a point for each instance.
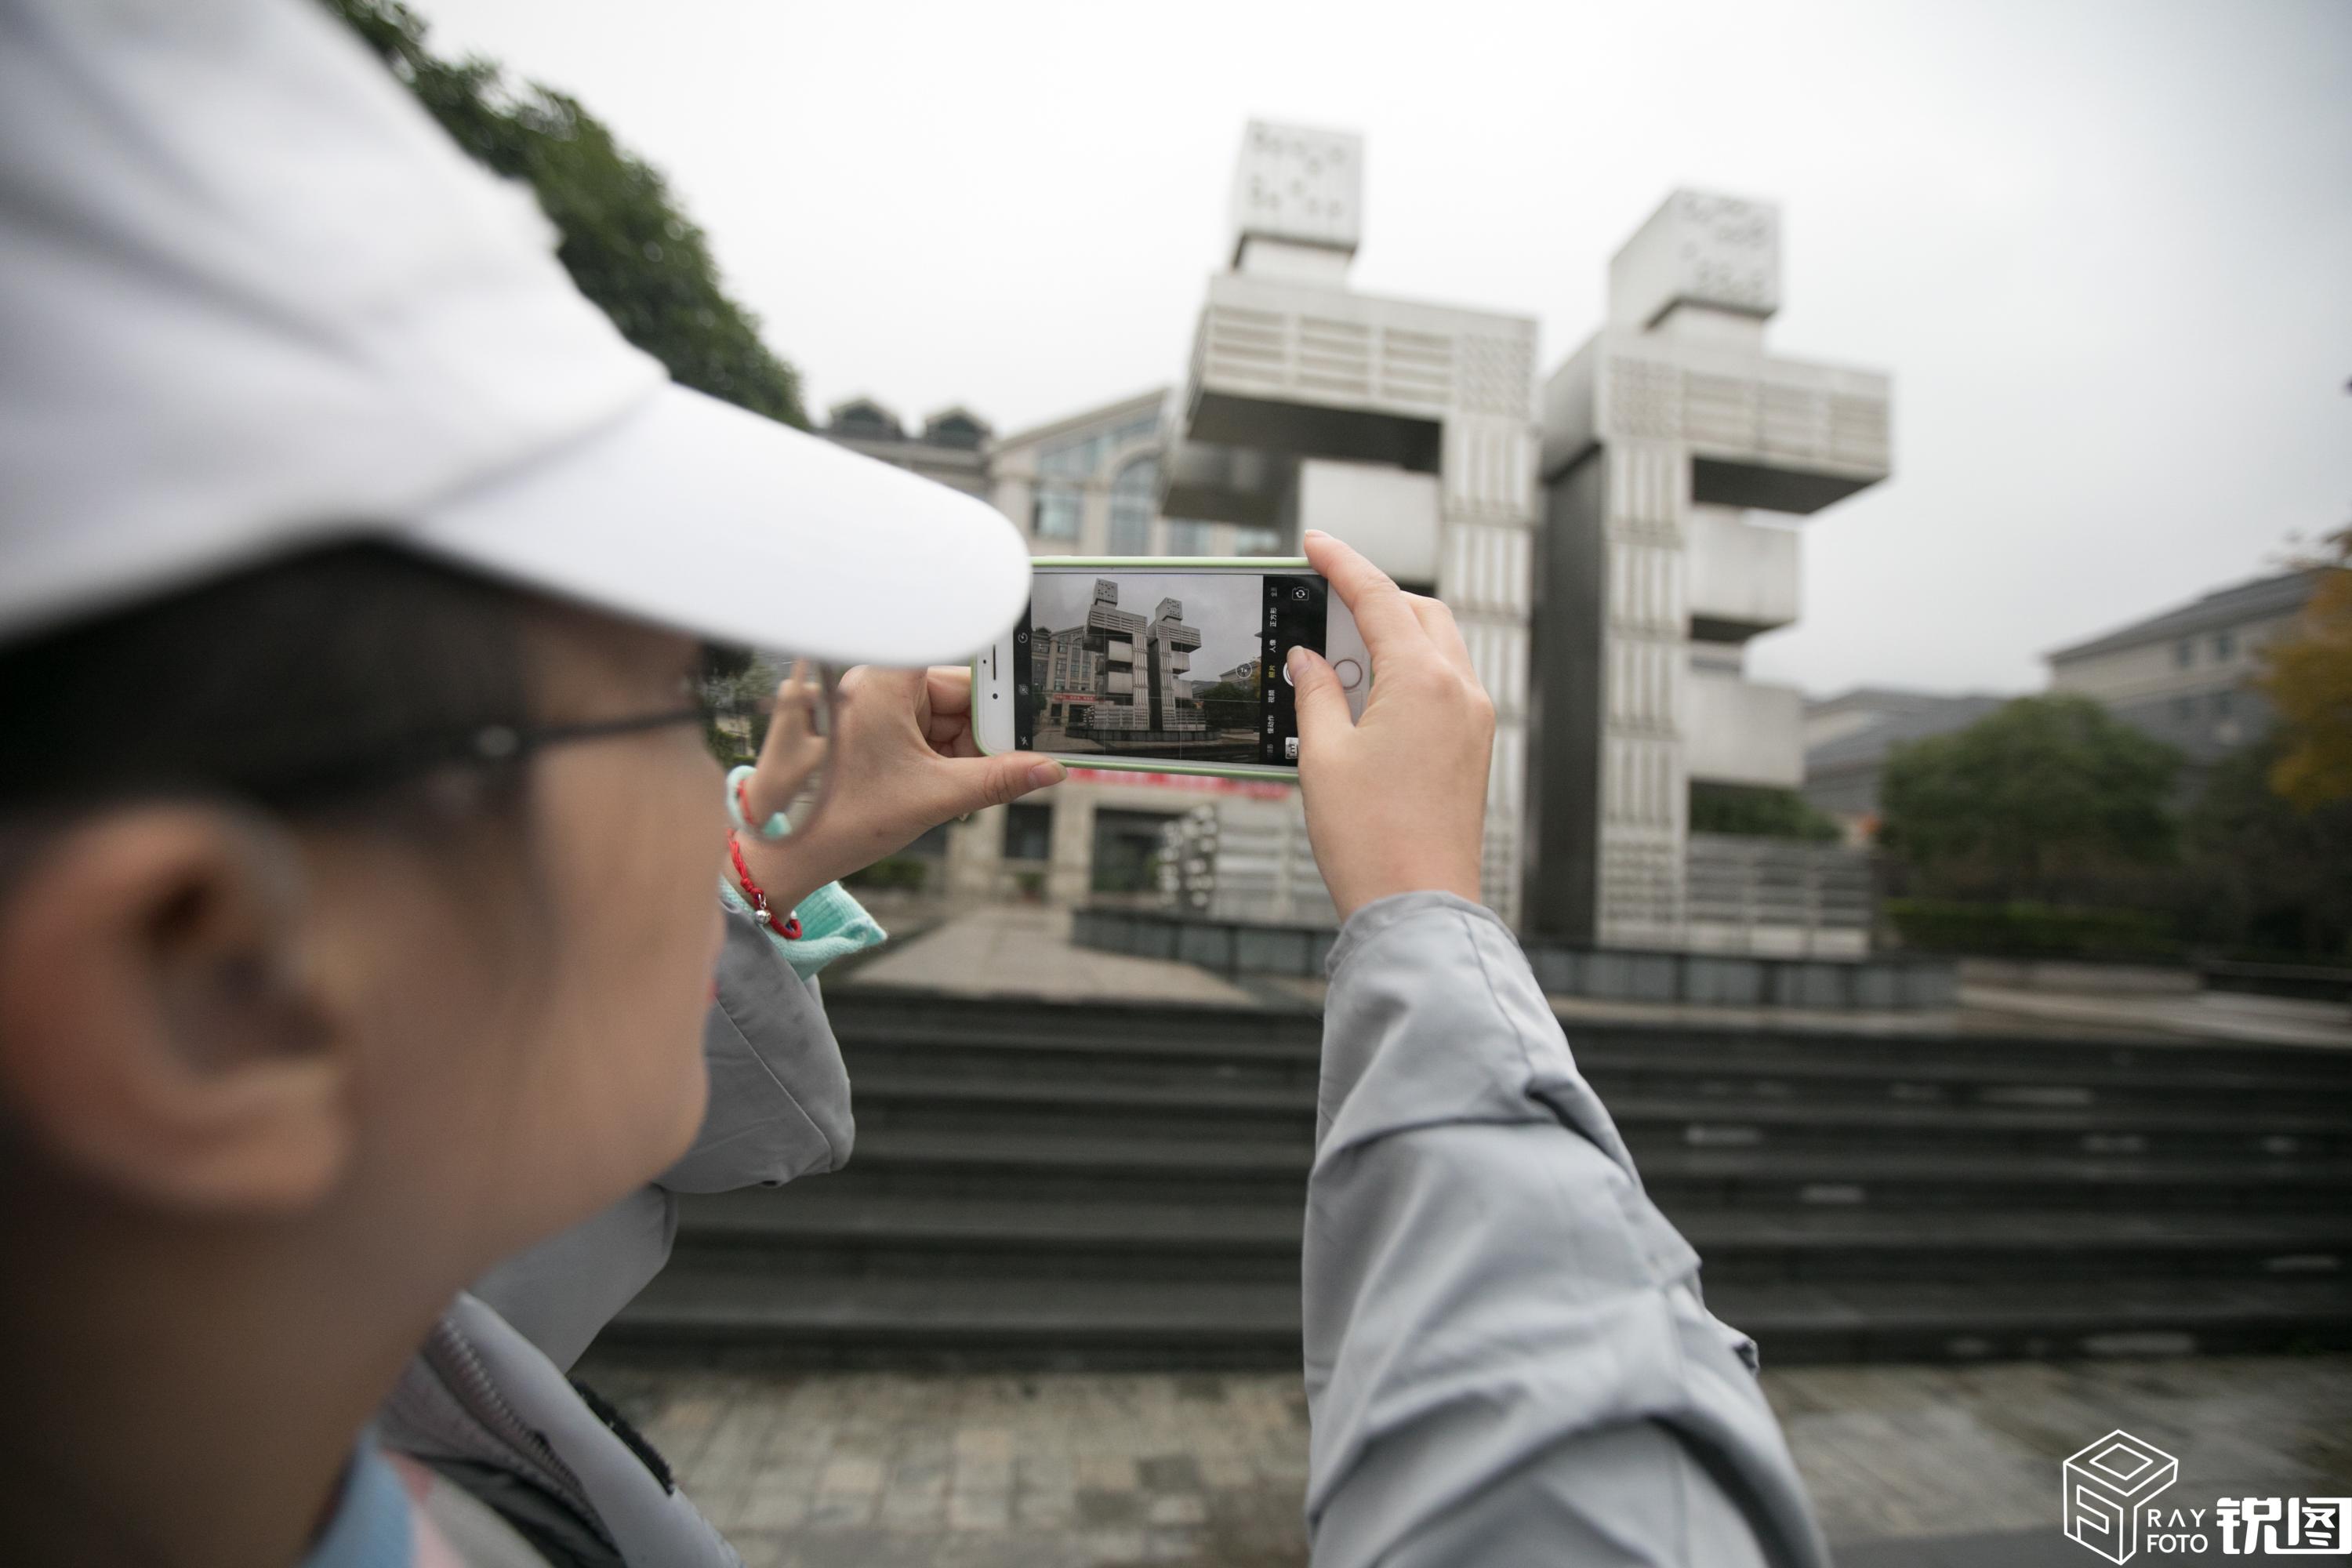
(1073, 1470)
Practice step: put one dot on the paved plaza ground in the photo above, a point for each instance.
(1907, 1465)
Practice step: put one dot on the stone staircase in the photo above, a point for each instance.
(1098, 1185)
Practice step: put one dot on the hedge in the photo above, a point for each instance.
(2029, 930)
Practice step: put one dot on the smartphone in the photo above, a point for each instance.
(1163, 664)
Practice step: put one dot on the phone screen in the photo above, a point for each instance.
(1177, 667)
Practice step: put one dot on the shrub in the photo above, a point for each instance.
(1757, 813)
(2031, 931)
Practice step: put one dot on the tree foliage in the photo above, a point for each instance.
(2265, 877)
(625, 243)
(2308, 678)
(1757, 813)
(2039, 799)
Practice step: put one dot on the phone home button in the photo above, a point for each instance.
(1350, 674)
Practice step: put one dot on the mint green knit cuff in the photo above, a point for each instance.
(833, 925)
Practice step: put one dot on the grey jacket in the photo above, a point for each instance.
(1507, 1359)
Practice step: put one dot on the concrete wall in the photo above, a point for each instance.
(1389, 514)
(1741, 733)
(1743, 574)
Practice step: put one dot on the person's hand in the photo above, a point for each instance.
(793, 749)
(902, 760)
(1396, 803)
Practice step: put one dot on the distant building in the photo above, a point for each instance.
(1242, 674)
(1848, 737)
(2183, 676)
(1065, 674)
(953, 447)
(1090, 485)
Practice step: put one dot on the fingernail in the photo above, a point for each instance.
(1316, 534)
(1046, 773)
(1297, 660)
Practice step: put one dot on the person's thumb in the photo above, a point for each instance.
(975, 781)
(1322, 705)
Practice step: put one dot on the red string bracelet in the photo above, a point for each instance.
(789, 928)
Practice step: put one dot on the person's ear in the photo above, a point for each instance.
(158, 1037)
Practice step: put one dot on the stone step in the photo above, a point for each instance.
(1089, 1164)
(1210, 1110)
(1729, 1070)
(811, 1229)
(910, 1020)
(701, 1304)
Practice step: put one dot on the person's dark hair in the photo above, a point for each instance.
(326, 681)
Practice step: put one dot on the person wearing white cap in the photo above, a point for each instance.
(357, 845)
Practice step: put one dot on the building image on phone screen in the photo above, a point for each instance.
(1109, 680)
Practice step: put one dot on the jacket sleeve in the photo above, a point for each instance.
(779, 1091)
(1508, 1358)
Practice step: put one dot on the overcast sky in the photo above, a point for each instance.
(2105, 249)
(1224, 609)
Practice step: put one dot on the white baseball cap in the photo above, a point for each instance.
(252, 299)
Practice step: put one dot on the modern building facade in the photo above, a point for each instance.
(1676, 452)
(2185, 676)
(1090, 485)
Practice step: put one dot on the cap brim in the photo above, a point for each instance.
(695, 514)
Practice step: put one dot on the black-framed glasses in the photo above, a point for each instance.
(805, 699)
(506, 743)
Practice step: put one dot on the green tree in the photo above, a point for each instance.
(2265, 876)
(625, 243)
(1757, 813)
(2043, 796)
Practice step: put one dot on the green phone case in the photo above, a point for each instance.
(1169, 564)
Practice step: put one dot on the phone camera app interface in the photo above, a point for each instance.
(1294, 615)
